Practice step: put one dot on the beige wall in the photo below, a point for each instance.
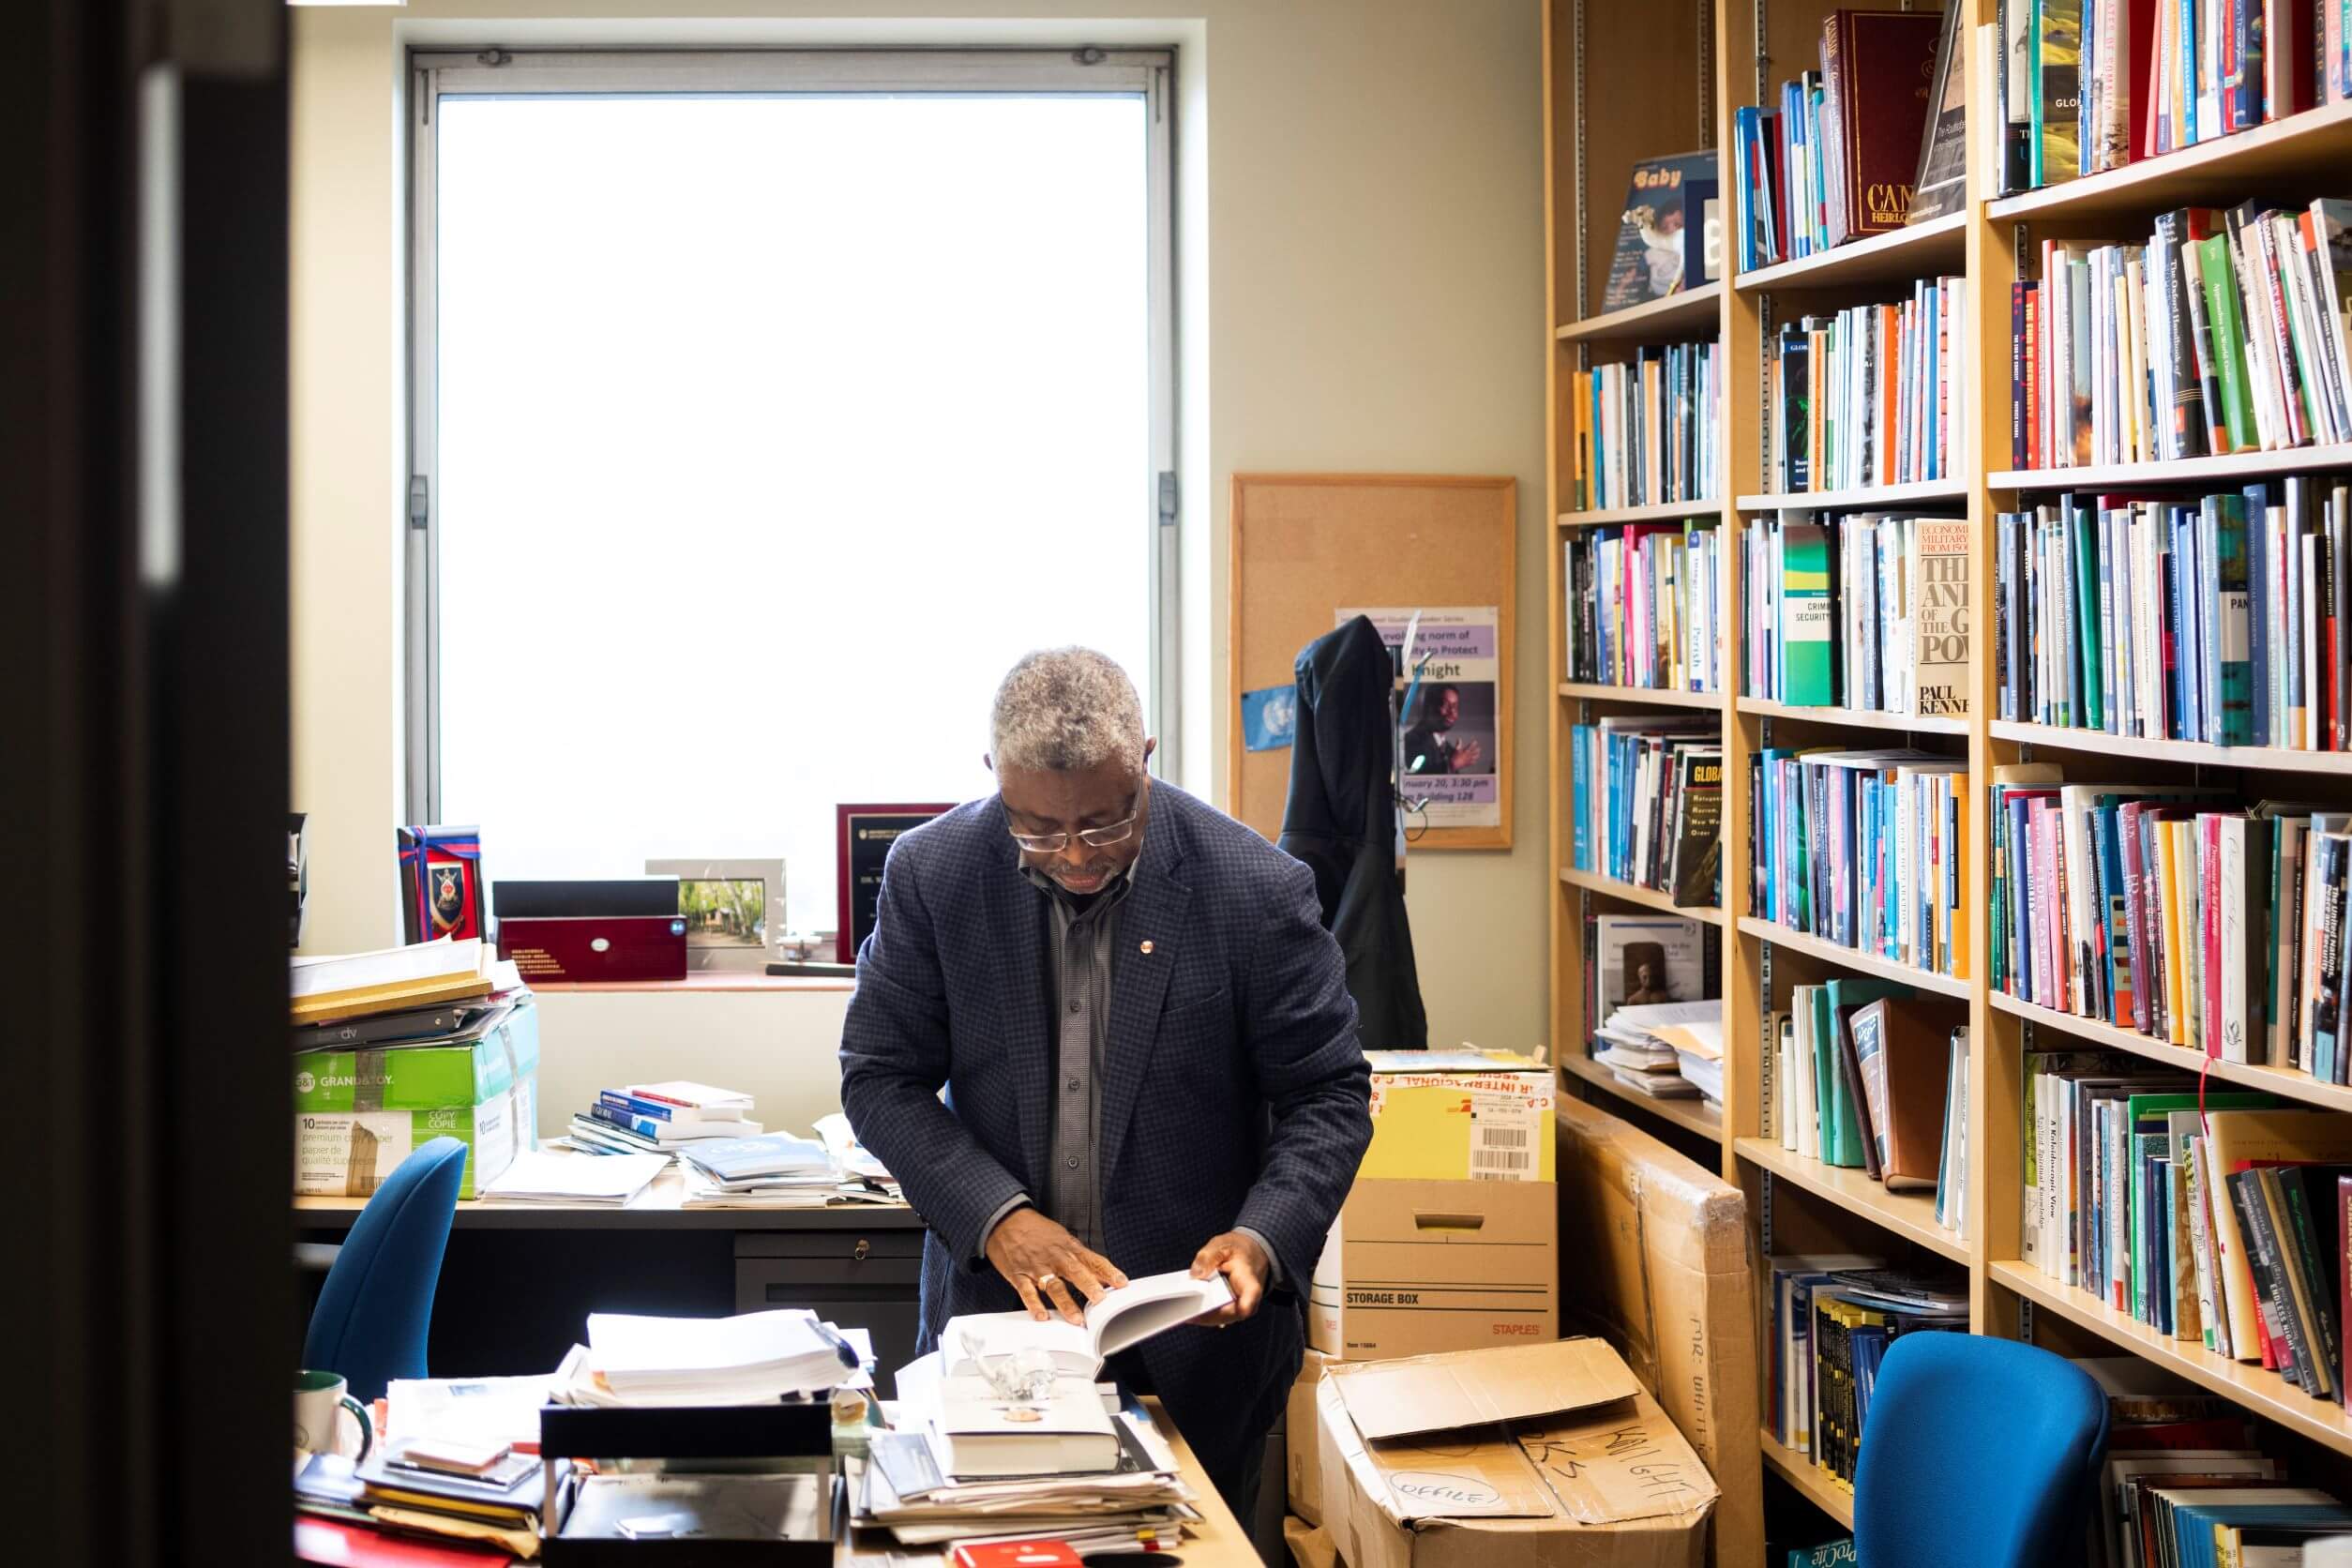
(1359, 235)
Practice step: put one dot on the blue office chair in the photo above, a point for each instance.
(1980, 1452)
(377, 1305)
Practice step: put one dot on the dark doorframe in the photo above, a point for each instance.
(145, 1287)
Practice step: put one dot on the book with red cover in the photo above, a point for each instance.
(595, 947)
(2344, 1267)
(1015, 1554)
(1877, 68)
(342, 1544)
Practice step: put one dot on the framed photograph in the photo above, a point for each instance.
(862, 837)
(441, 882)
(734, 910)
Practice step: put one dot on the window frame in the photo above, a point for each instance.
(436, 74)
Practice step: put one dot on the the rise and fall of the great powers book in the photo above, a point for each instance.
(1940, 619)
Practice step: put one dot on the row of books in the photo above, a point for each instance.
(1829, 1322)
(1649, 431)
(2216, 618)
(1645, 606)
(1835, 161)
(2088, 86)
(1864, 610)
(2215, 1217)
(1866, 1075)
(1866, 850)
(1873, 394)
(2176, 913)
(1647, 803)
(2225, 331)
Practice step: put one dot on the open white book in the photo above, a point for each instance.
(1127, 1316)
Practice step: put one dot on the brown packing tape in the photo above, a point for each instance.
(366, 1079)
(359, 1171)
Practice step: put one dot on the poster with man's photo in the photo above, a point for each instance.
(1452, 742)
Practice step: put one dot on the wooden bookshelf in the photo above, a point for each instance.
(1816, 1485)
(1854, 718)
(2183, 471)
(1854, 959)
(1662, 511)
(1936, 247)
(1633, 892)
(2268, 759)
(1923, 492)
(1677, 317)
(1590, 691)
(2305, 154)
(2285, 1082)
(1691, 1115)
(1909, 1214)
(2264, 1394)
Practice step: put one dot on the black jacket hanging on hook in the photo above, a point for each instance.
(1341, 820)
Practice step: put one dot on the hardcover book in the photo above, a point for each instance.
(1878, 70)
(1942, 185)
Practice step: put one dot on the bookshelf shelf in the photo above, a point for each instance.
(1674, 319)
(1909, 1216)
(1757, 707)
(1692, 1115)
(1649, 896)
(2277, 759)
(2266, 1393)
(1662, 511)
(1937, 246)
(1848, 958)
(1598, 693)
(2224, 171)
(2186, 471)
(1808, 1478)
(2286, 1083)
(1922, 492)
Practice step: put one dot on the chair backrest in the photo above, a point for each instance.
(1979, 1451)
(377, 1305)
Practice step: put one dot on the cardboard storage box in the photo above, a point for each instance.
(1305, 1475)
(358, 1113)
(1415, 1267)
(1527, 1458)
(1450, 1115)
(1661, 1271)
(1310, 1547)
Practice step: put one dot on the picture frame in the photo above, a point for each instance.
(862, 838)
(730, 929)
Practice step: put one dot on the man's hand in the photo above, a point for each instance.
(1047, 1265)
(1243, 1262)
(1464, 757)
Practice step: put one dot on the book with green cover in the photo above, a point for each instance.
(1806, 623)
(1841, 1128)
(2228, 326)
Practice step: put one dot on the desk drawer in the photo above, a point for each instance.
(877, 1294)
(859, 1245)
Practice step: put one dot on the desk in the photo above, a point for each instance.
(1217, 1542)
(519, 1279)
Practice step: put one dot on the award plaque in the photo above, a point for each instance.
(863, 836)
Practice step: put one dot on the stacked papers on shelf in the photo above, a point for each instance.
(746, 1360)
(542, 1176)
(1666, 1050)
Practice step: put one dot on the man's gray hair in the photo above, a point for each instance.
(1066, 709)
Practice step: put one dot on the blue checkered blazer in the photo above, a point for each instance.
(1234, 1087)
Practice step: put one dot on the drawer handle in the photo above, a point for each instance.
(860, 1251)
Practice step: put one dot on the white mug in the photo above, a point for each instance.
(320, 1399)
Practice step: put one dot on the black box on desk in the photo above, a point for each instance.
(587, 1523)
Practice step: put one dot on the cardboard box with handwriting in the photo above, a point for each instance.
(1524, 1457)
(1416, 1267)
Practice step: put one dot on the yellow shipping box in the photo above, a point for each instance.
(1459, 1115)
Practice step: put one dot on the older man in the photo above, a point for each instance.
(1148, 1047)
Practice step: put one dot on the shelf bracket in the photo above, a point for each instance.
(1583, 217)
(1764, 1210)
(2024, 1319)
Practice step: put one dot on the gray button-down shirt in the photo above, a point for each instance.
(1082, 943)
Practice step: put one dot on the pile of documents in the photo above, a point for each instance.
(1004, 1433)
(545, 1176)
(671, 1362)
(1666, 1050)
(661, 1119)
(776, 1171)
(856, 1162)
(490, 1493)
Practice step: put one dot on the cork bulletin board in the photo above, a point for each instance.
(1306, 545)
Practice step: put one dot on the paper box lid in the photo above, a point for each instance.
(1557, 1431)
(1469, 1059)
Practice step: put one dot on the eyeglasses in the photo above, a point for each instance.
(1093, 837)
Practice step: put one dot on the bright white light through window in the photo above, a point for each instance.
(771, 431)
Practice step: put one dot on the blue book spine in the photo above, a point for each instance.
(643, 1126)
(1580, 755)
(629, 1105)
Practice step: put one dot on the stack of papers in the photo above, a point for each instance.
(852, 1156)
(1650, 1047)
(543, 1176)
(746, 1360)
(659, 1118)
(777, 1170)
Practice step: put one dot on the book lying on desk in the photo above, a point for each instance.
(983, 1435)
(1130, 1314)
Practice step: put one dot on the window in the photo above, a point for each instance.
(767, 406)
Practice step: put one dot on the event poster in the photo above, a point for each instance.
(1451, 756)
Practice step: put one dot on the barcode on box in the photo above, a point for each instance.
(1503, 1138)
(1498, 1161)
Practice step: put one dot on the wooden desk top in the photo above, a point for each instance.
(657, 1209)
(1217, 1542)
